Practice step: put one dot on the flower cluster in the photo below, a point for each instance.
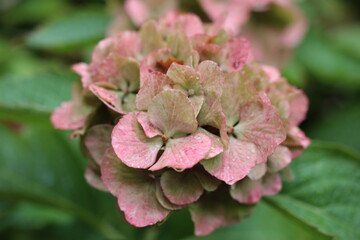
(274, 27)
(179, 114)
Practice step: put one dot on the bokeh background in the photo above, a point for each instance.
(43, 194)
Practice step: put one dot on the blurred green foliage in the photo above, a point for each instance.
(43, 194)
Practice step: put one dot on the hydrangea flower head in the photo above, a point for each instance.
(274, 27)
(179, 114)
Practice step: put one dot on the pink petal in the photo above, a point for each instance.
(246, 191)
(181, 188)
(214, 210)
(271, 184)
(183, 153)
(238, 54)
(274, 45)
(93, 179)
(299, 105)
(229, 14)
(272, 72)
(137, 11)
(70, 115)
(209, 51)
(140, 10)
(122, 72)
(97, 139)
(174, 21)
(296, 141)
(152, 84)
(172, 112)
(102, 50)
(126, 44)
(260, 124)
(135, 190)
(83, 70)
(110, 97)
(131, 145)
(140, 205)
(234, 163)
(149, 129)
(214, 8)
(216, 144)
(279, 159)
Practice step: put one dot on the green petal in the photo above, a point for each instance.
(150, 37)
(172, 112)
(181, 188)
(236, 92)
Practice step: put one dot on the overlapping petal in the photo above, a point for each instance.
(97, 140)
(153, 84)
(135, 190)
(131, 144)
(92, 177)
(184, 152)
(279, 159)
(70, 116)
(260, 124)
(175, 21)
(142, 10)
(172, 112)
(181, 187)
(216, 209)
(234, 163)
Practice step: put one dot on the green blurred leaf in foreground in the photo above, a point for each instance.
(326, 191)
(322, 203)
(39, 166)
(266, 223)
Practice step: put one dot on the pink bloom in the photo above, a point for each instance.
(273, 27)
(142, 10)
(178, 115)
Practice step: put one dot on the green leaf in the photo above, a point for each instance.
(70, 32)
(265, 223)
(341, 126)
(35, 95)
(329, 65)
(34, 216)
(326, 191)
(347, 40)
(39, 166)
